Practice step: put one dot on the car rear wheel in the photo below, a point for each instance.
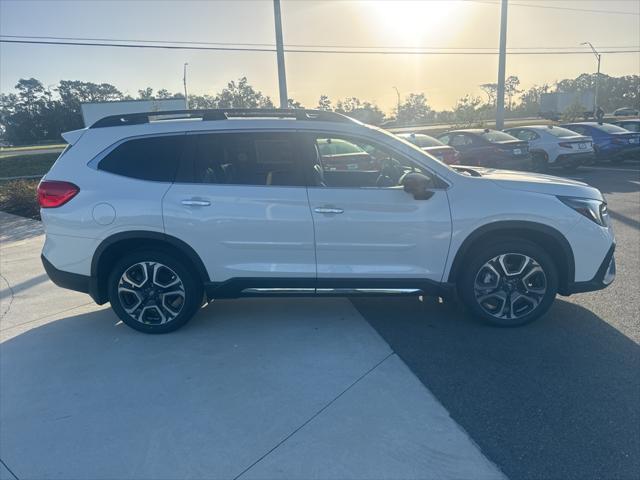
(153, 292)
(540, 162)
(509, 283)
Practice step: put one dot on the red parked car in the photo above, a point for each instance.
(432, 146)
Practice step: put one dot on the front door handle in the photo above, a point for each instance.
(196, 203)
(328, 210)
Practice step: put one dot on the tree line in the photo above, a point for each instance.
(37, 114)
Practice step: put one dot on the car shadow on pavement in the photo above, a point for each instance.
(554, 399)
(87, 397)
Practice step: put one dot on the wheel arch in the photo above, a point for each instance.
(115, 245)
(553, 241)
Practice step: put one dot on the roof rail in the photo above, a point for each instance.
(222, 114)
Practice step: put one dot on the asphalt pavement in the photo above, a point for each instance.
(557, 399)
(280, 388)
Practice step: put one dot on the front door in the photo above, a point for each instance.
(366, 226)
(240, 201)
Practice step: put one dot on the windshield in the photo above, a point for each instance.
(422, 140)
(496, 136)
(561, 132)
(607, 127)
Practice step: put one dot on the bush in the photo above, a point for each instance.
(19, 197)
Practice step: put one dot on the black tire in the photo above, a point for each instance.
(185, 297)
(475, 265)
(540, 162)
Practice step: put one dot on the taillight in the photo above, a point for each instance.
(52, 193)
(565, 144)
(622, 141)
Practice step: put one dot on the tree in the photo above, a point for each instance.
(414, 109)
(242, 95)
(530, 99)
(146, 94)
(364, 111)
(467, 111)
(491, 90)
(324, 103)
(291, 103)
(511, 85)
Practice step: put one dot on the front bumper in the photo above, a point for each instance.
(604, 277)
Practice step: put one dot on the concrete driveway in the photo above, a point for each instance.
(256, 388)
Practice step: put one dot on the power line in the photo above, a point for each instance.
(555, 7)
(297, 50)
(292, 45)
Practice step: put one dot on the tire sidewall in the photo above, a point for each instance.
(480, 256)
(193, 290)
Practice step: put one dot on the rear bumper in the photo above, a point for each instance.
(573, 159)
(71, 281)
(604, 277)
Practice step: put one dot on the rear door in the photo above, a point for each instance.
(240, 201)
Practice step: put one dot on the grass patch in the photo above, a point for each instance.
(20, 198)
(33, 147)
(20, 165)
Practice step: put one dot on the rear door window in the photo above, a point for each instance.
(148, 158)
(261, 159)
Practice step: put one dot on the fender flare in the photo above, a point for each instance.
(518, 226)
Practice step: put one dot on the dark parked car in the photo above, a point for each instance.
(489, 148)
(610, 142)
(633, 125)
(625, 112)
(432, 146)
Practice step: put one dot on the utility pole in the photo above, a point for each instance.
(398, 94)
(184, 81)
(595, 96)
(502, 60)
(282, 76)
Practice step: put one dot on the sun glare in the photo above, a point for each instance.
(412, 22)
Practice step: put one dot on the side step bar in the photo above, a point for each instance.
(332, 291)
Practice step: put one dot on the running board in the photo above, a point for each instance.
(314, 287)
(332, 291)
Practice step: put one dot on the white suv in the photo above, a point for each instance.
(159, 214)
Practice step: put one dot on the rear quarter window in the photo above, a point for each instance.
(152, 158)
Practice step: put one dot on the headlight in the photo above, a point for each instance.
(594, 210)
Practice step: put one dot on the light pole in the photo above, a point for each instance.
(502, 60)
(282, 76)
(398, 94)
(595, 97)
(184, 81)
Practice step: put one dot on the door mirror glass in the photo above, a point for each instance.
(417, 185)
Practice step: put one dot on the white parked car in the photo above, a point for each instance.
(555, 147)
(157, 216)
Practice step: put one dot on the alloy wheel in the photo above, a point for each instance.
(510, 286)
(151, 293)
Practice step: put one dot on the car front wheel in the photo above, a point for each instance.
(510, 283)
(153, 292)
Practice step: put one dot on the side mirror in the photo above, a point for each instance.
(417, 185)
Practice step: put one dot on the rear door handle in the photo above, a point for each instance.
(196, 203)
(328, 210)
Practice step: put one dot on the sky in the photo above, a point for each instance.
(453, 24)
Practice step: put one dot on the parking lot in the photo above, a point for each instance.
(323, 388)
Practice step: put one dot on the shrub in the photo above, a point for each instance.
(19, 197)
